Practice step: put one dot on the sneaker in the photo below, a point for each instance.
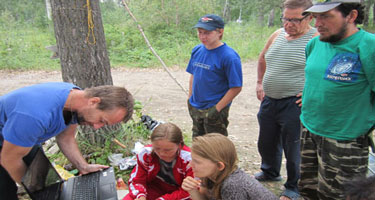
(149, 122)
(261, 176)
(292, 195)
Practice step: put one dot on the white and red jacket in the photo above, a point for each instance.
(143, 180)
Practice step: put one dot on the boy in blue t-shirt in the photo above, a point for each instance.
(216, 78)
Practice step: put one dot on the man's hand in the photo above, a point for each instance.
(299, 101)
(91, 168)
(212, 112)
(259, 91)
(68, 145)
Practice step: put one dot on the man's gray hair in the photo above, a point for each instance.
(294, 4)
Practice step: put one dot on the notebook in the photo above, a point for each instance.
(42, 182)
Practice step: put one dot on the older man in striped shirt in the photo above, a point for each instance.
(280, 83)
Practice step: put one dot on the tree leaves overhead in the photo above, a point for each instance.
(180, 13)
(26, 11)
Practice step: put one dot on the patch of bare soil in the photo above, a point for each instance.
(164, 100)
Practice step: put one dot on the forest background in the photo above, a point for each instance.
(26, 29)
(27, 36)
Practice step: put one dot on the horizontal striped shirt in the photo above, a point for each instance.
(285, 64)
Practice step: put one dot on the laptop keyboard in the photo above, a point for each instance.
(85, 187)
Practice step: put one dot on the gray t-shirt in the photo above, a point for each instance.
(241, 186)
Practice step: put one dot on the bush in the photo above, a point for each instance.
(97, 145)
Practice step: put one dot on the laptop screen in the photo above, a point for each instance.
(41, 177)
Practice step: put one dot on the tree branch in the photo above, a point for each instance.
(152, 49)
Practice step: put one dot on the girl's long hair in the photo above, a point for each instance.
(217, 148)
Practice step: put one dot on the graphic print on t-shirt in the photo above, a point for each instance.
(201, 65)
(344, 67)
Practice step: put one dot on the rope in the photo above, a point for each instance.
(90, 24)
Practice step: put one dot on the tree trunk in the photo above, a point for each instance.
(367, 12)
(271, 18)
(48, 9)
(83, 52)
(226, 14)
(177, 19)
(81, 42)
(261, 16)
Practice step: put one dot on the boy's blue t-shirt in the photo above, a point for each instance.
(215, 71)
(33, 114)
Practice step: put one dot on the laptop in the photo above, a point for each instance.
(42, 182)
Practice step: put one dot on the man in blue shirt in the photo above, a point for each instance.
(31, 115)
(216, 78)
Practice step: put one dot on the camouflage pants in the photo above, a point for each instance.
(327, 163)
(209, 120)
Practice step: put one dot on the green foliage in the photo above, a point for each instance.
(25, 31)
(23, 46)
(126, 134)
(26, 11)
(247, 40)
(98, 151)
(371, 29)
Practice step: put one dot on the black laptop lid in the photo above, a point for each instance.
(41, 180)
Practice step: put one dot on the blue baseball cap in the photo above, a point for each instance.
(210, 22)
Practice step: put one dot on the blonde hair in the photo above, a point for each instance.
(216, 148)
(168, 131)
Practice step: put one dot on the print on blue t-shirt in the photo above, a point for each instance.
(201, 65)
(344, 67)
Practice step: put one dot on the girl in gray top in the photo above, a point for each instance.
(217, 176)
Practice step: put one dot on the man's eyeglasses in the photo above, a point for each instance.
(293, 20)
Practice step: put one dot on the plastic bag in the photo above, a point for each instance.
(128, 162)
(63, 173)
(115, 159)
(137, 148)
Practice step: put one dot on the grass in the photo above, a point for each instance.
(22, 47)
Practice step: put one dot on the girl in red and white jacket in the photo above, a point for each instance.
(161, 167)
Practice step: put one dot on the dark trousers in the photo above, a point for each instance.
(8, 187)
(279, 129)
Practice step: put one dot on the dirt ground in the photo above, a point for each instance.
(164, 100)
